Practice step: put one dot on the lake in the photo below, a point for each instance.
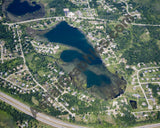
(98, 79)
(21, 8)
(70, 36)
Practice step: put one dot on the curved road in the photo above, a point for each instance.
(40, 116)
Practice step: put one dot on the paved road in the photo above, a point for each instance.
(6, 79)
(145, 25)
(150, 126)
(2, 53)
(39, 19)
(48, 119)
(40, 116)
(27, 21)
(140, 84)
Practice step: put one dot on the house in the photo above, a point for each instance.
(66, 11)
(144, 104)
(145, 115)
(71, 15)
(115, 103)
(136, 95)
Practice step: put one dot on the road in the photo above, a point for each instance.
(137, 24)
(151, 83)
(26, 68)
(27, 21)
(150, 126)
(40, 116)
(142, 89)
(39, 19)
(2, 53)
(16, 84)
(48, 119)
(140, 84)
(145, 25)
(45, 118)
(146, 111)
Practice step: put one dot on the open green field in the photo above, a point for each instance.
(6, 121)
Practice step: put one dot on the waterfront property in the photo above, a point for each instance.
(86, 60)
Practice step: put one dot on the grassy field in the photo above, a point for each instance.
(6, 121)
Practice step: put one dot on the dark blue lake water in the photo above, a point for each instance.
(94, 79)
(68, 35)
(21, 8)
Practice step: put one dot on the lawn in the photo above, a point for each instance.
(6, 121)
